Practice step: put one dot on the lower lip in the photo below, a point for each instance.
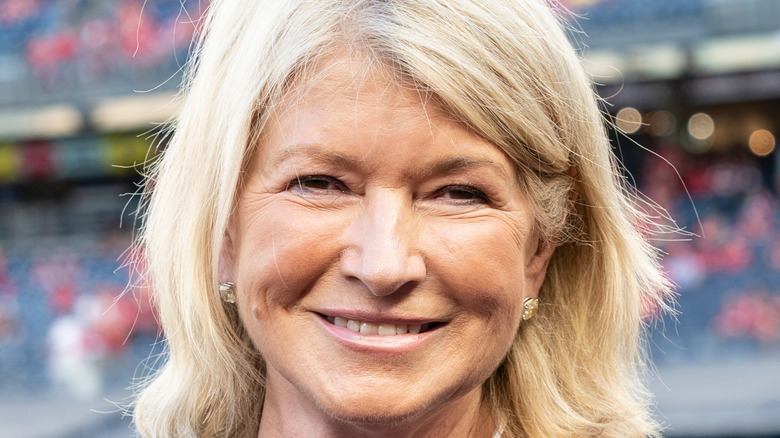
(376, 344)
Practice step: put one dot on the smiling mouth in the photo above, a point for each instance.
(381, 329)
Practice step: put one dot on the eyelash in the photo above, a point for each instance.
(299, 182)
(475, 196)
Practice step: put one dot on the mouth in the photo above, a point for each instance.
(380, 329)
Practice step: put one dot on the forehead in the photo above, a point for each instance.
(350, 78)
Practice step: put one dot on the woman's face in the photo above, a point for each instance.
(381, 251)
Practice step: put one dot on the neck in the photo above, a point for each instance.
(290, 413)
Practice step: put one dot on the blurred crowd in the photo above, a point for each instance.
(67, 43)
(71, 315)
(728, 269)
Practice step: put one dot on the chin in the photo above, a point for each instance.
(375, 416)
(381, 409)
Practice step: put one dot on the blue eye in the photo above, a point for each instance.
(463, 195)
(313, 184)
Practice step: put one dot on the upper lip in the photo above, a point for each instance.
(378, 317)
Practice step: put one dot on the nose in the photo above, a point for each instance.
(382, 252)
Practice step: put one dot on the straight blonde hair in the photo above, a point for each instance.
(504, 68)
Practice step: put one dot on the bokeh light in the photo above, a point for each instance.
(761, 142)
(701, 126)
(629, 120)
(662, 123)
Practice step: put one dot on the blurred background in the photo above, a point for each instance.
(693, 87)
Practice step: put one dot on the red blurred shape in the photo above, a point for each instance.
(37, 160)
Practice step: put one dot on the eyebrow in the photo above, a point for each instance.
(444, 166)
(312, 152)
(454, 164)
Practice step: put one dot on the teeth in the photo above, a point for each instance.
(370, 328)
(386, 330)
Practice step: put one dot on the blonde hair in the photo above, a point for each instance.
(503, 67)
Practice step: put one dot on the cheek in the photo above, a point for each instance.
(483, 264)
(281, 253)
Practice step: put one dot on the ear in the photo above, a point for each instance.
(538, 258)
(226, 269)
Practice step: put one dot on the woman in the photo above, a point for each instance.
(394, 218)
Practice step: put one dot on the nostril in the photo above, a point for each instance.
(382, 273)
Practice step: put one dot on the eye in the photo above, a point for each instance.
(463, 195)
(316, 184)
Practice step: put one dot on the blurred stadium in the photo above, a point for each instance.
(693, 89)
